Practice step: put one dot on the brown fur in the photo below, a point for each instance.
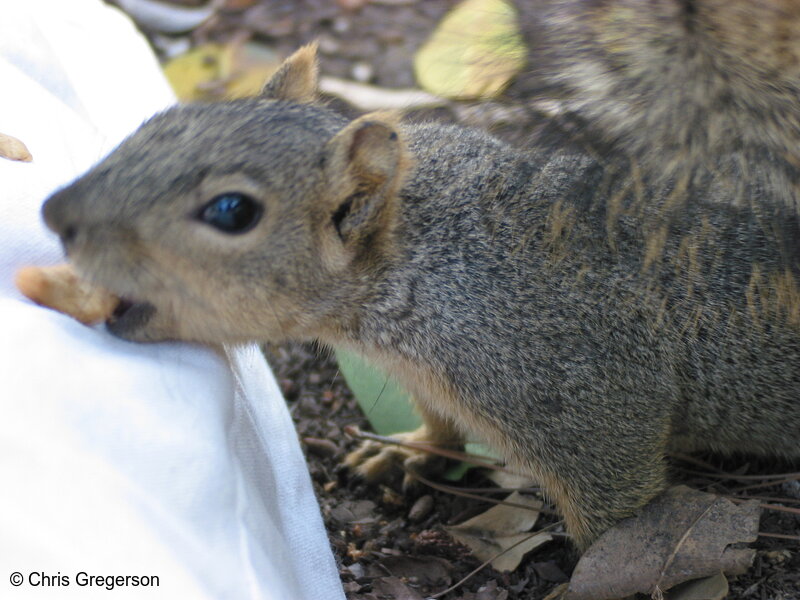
(581, 311)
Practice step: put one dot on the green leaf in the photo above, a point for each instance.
(458, 470)
(388, 407)
(385, 404)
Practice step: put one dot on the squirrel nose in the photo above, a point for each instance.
(59, 216)
(69, 234)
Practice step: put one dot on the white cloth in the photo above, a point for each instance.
(118, 459)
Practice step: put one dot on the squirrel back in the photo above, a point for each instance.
(582, 312)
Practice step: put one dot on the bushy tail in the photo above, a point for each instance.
(686, 88)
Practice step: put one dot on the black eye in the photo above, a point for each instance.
(232, 212)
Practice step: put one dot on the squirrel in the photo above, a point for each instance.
(582, 318)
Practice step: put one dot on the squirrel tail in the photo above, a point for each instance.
(676, 82)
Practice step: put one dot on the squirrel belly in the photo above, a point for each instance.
(583, 313)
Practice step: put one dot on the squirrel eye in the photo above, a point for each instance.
(232, 212)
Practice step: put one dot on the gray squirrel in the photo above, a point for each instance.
(582, 310)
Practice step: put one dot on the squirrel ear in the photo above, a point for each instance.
(365, 165)
(297, 78)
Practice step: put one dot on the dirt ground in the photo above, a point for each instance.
(375, 531)
(390, 545)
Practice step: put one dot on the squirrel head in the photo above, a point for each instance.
(252, 219)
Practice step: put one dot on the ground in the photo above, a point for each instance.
(370, 527)
(374, 530)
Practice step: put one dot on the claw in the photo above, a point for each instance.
(375, 460)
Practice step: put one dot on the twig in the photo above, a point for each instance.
(765, 499)
(781, 536)
(501, 490)
(370, 97)
(458, 492)
(695, 461)
(657, 587)
(793, 477)
(782, 476)
(775, 507)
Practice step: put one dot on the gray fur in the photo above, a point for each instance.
(581, 316)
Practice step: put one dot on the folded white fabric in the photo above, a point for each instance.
(162, 471)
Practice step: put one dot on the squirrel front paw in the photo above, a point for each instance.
(375, 460)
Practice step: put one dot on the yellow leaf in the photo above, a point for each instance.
(193, 74)
(474, 52)
(216, 72)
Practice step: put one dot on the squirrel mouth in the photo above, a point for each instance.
(123, 306)
(128, 316)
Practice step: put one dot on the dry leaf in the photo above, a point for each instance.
(681, 535)
(474, 52)
(428, 570)
(499, 529)
(392, 587)
(506, 479)
(352, 511)
(707, 588)
(12, 149)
